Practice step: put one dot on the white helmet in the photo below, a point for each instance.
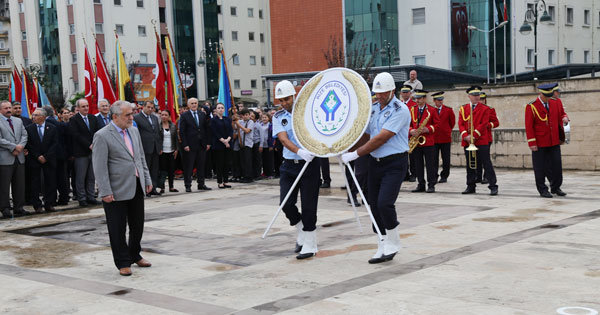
(284, 89)
(383, 82)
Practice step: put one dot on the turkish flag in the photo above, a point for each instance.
(159, 76)
(104, 86)
(90, 83)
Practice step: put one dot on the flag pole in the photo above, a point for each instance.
(177, 67)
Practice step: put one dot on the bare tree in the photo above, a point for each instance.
(356, 57)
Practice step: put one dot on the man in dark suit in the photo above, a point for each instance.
(62, 178)
(194, 133)
(83, 127)
(148, 125)
(103, 116)
(42, 146)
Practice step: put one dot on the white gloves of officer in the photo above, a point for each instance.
(305, 155)
(349, 157)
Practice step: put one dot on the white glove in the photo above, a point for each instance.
(305, 155)
(349, 157)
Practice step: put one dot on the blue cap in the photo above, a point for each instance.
(547, 88)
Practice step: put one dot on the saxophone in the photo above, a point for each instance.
(420, 139)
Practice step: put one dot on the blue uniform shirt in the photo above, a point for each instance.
(282, 121)
(394, 117)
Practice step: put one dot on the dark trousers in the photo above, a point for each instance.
(49, 189)
(119, 215)
(166, 163)
(412, 166)
(246, 162)
(480, 173)
(220, 157)
(152, 161)
(277, 157)
(483, 157)
(256, 161)
(209, 165)
(547, 164)
(325, 174)
(27, 183)
(236, 165)
(84, 178)
(425, 159)
(62, 180)
(72, 177)
(12, 178)
(361, 171)
(444, 149)
(309, 192)
(191, 160)
(267, 161)
(385, 179)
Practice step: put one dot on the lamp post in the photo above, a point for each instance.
(388, 50)
(531, 17)
(473, 28)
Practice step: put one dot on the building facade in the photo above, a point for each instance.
(5, 51)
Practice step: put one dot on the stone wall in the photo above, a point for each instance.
(581, 98)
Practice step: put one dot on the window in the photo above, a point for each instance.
(23, 35)
(137, 78)
(263, 61)
(117, 2)
(552, 13)
(530, 56)
(73, 58)
(233, 11)
(253, 84)
(234, 35)
(2, 44)
(219, 9)
(76, 86)
(69, 2)
(531, 6)
(99, 28)
(264, 85)
(236, 84)
(550, 57)
(586, 56)
(220, 34)
(2, 60)
(71, 29)
(253, 60)
(419, 60)
(262, 37)
(3, 78)
(251, 36)
(418, 16)
(143, 58)
(250, 12)
(119, 28)
(260, 15)
(141, 30)
(586, 18)
(97, 1)
(162, 15)
(236, 59)
(21, 7)
(569, 16)
(140, 3)
(569, 55)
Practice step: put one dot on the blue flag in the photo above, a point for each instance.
(43, 99)
(24, 105)
(224, 87)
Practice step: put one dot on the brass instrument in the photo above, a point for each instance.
(472, 149)
(420, 139)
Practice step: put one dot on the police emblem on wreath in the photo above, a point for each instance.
(331, 112)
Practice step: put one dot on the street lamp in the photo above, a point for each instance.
(388, 50)
(473, 28)
(531, 17)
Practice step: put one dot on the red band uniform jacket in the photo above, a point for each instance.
(481, 121)
(494, 123)
(447, 119)
(431, 125)
(541, 126)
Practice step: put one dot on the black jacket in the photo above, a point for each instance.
(81, 136)
(221, 128)
(150, 134)
(48, 147)
(195, 136)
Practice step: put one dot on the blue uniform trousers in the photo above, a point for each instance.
(309, 192)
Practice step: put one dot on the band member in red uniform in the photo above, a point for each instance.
(406, 99)
(494, 123)
(424, 154)
(544, 120)
(443, 135)
(480, 114)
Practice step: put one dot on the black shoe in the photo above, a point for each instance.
(431, 189)
(6, 213)
(226, 186)
(356, 202)
(83, 203)
(469, 190)
(412, 179)
(50, 209)
(443, 180)
(419, 189)
(156, 193)
(304, 256)
(325, 185)
(63, 203)
(21, 212)
(204, 187)
(381, 259)
(559, 192)
(246, 181)
(493, 191)
(298, 248)
(188, 189)
(93, 202)
(484, 181)
(546, 194)
(478, 181)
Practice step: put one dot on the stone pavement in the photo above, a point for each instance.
(515, 253)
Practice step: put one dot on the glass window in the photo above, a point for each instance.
(72, 29)
(569, 16)
(530, 57)
(97, 1)
(550, 56)
(250, 12)
(220, 34)
(262, 37)
(253, 84)
(141, 30)
(99, 28)
(23, 35)
(367, 22)
(137, 78)
(21, 7)
(260, 14)
(236, 84)
(119, 29)
(73, 58)
(3, 78)
(69, 2)
(552, 12)
(162, 15)
(117, 2)
(251, 36)
(143, 58)
(234, 35)
(2, 44)
(419, 60)
(2, 60)
(140, 3)
(569, 55)
(586, 18)
(586, 56)
(252, 60)
(233, 11)
(263, 61)
(236, 59)
(418, 16)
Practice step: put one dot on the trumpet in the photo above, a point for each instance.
(472, 149)
(416, 140)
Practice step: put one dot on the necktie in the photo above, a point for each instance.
(11, 125)
(546, 105)
(196, 118)
(87, 123)
(150, 120)
(41, 132)
(105, 120)
(473, 107)
(129, 147)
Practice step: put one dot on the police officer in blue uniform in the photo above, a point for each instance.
(386, 140)
(294, 160)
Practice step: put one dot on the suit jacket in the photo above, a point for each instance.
(115, 167)
(9, 140)
(481, 121)
(192, 135)
(26, 121)
(101, 123)
(48, 146)
(415, 122)
(443, 133)
(81, 136)
(150, 134)
(61, 151)
(542, 127)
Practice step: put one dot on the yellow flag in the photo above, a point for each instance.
(122, 73)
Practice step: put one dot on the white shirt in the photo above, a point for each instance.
(167, 141)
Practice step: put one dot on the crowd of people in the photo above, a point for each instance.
(50, 154)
